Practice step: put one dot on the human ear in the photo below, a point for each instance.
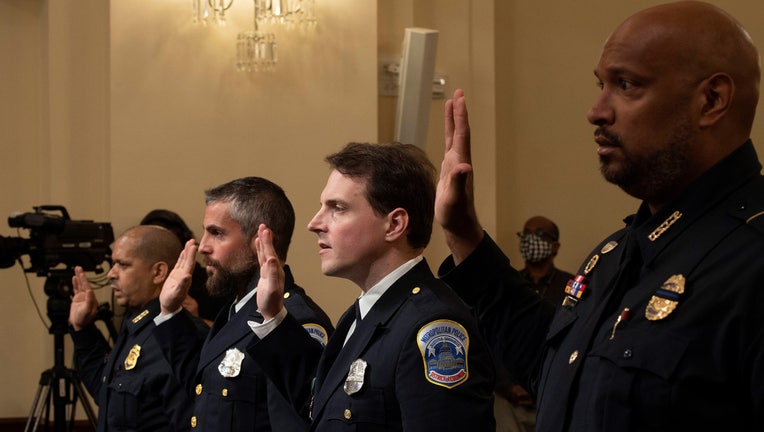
(718, 91)
(159, 271)
(398, 223)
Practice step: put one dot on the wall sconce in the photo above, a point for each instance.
(257, 50)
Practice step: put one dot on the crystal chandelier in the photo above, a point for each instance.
(205, 11)
(289, 12)
(256, 50)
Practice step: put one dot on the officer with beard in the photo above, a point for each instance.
(231, 391)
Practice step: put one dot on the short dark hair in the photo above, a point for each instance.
(255, 200)
(155, 243)
(170, 220)
(397, 175)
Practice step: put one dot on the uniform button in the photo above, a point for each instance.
(224, 392)
(286, 295)
(103, 379)
(416, 290)
(573, 357)
(348, 414)
(627, 353)
(198, 389)
(193, 421)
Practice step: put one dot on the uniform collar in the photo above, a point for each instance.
(367, 299)
(653, 232)
(143, 315)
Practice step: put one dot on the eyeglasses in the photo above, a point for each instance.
(540, 233)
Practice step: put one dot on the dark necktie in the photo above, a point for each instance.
(357, 308)
(335, 344)
(357, 321)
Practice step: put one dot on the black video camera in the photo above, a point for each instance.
(55, 239)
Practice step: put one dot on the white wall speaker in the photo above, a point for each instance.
(415, 91)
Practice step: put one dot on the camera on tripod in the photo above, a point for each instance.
(56, 244)
(56, 240)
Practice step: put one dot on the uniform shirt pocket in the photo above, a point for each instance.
(638, 379)
(124, 410)
(364, 411)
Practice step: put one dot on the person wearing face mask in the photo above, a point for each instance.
(539, 243)
(514, 407)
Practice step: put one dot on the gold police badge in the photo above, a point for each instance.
(132, 357)
(665, 299)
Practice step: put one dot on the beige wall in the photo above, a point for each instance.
(545, 86)
(526, 68)
(115, 108)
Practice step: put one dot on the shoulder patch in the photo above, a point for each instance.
(757, 221)
(444, 345)
(317, 332)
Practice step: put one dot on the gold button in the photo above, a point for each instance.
(224, 392)
(573, 357)
(348, 414)
(416, 290)
(193, 421)
(198, 389)
(286, 295)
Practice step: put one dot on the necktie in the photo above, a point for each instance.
(356, 323)
(357, 308)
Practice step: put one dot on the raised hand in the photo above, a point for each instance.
(455, 200)
(270, 287)
(84, 304)
(177, 284)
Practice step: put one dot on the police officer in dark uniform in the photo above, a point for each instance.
(198, 301)
(661, 328)
(231, 393)
(408, 354)
(140, 384)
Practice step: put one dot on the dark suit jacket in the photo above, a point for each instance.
(227, 399)
(145, 390)
(444, 383)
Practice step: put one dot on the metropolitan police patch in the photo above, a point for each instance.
(444, 345)
(317, 332)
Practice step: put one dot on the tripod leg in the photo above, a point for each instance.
(40, 402)
(79, 391)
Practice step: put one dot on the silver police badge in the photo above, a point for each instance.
(231, 364)
(354, 381)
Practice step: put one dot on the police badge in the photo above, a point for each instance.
(665, 299)
(444, 345)
(354, 381)
(231, 364)
(132, 357)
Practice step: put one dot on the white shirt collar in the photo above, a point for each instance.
(240, 303)
(367, 299)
